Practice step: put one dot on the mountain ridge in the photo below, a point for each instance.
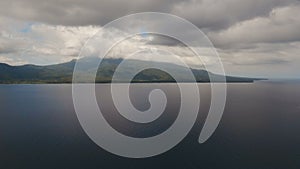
(63, 72)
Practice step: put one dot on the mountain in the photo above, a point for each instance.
(62, 73)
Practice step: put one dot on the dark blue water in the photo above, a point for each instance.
(260, 128)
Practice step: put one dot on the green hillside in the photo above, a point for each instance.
(62, 73)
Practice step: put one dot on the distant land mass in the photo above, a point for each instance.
(63, 73)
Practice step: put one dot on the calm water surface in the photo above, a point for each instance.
(260, 128)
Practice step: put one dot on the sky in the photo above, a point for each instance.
(253, 37)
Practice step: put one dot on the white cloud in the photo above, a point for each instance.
(42, 43)
(220, 14)
(281, 25)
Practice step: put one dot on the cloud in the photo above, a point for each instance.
(10, 45)
(253, 37)
(42, 43)
(204, 13)
(163, 40)
(221, 14)
(281, 25)
(78, 12)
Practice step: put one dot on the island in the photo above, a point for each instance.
(63, 73)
